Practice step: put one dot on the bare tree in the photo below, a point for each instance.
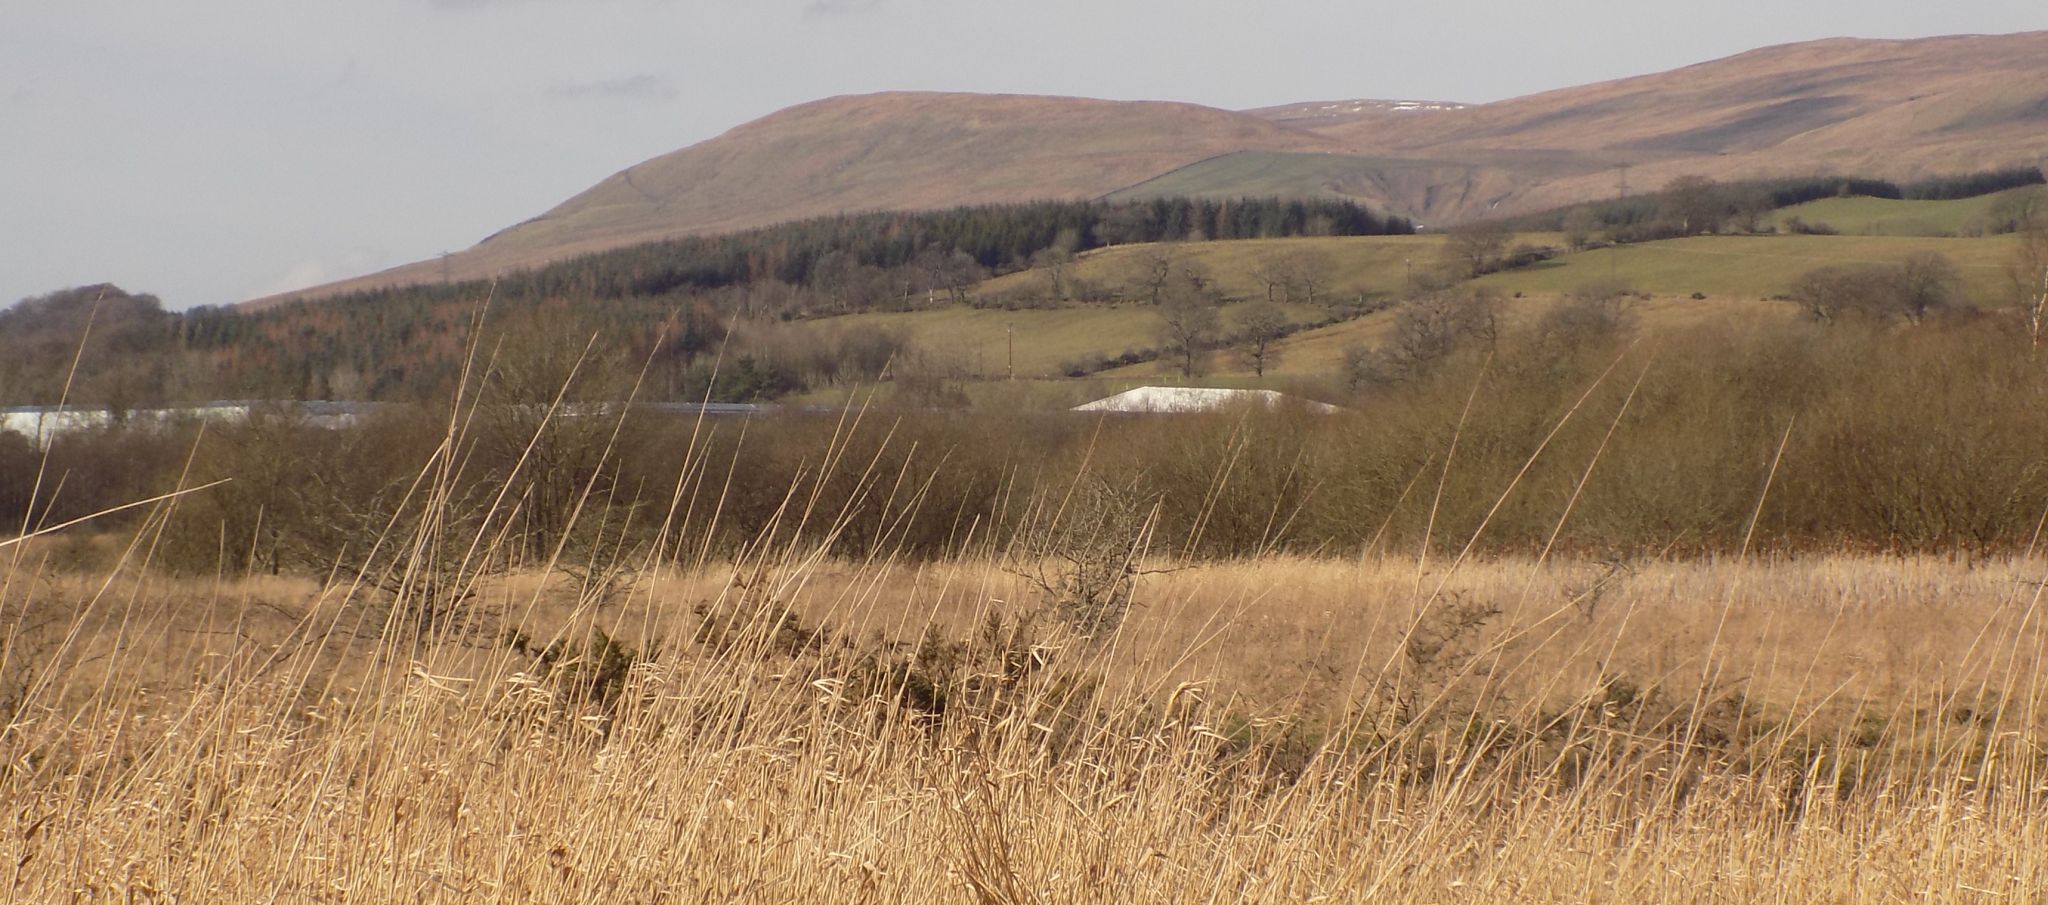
(1911, 290)
(1188, 325)
(1426, 331)
(1270, 270)
(1084, 553)
(1307, 273)
(1926, 282)
(1695, 204)
(1156, 266)
(950, 274)
(2028, 273)
(1825, 293)
(1053, 259)
(1260, 326)
(1475, 249)
(1579, 226)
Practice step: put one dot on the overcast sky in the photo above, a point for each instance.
(211, 150)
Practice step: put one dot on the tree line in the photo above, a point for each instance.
(667, 302)
(1691, 205)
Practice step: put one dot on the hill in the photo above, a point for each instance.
(901, 151)
(1896, 109)
(1857, 216)
(1892, 109)
(1752, 267)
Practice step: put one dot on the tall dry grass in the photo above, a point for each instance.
(780, 725)
(1808, 730)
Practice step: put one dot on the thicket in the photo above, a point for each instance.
(1856, 434)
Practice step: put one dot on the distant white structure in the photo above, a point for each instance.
(1183, 400)
(42, 424)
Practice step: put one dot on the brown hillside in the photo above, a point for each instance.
(900, 151)
(1897, 109)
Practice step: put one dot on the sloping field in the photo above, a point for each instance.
(1751, 266)
(1370, 266)
(1319, 353)
(976, 341)
(1886, 217)
(1736, 273)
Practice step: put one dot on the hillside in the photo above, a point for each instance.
(1861, 216)
(1893, 109)
(1754, 267)
(1896, 109)
(903, 151)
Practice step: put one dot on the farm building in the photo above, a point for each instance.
(1183, 400)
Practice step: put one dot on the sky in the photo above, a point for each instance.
(210, 151)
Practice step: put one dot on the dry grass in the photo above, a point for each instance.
(1259, 731)
(779, 726)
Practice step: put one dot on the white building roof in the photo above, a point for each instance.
(1196, 399)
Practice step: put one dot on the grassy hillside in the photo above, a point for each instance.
(977, 341)
(1750, 266)
(1319, 354)
(1737, 274)
(1887, 217)
(1370, 266)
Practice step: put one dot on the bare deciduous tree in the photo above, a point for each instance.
(2028, 273)
(1156, 266)
(1054, 259)
(1307, 275)
(1426, 331)
(1475, 249)
(1926, 282)
(1695, 204)
(1260, 325)
(1188, 323)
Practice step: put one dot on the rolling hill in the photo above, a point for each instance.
(903, 151)
(1894, 109)
(1864, 216)
(1897, 109)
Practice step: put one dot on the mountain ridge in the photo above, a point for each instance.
(1847, 106)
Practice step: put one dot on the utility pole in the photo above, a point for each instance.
(1010, 333)
(1614, 244)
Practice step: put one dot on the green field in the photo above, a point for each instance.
(1751, 266)
(977, 341)
(1367, 266)
(1319, 354)
(1863, 216)
(1737, 274)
